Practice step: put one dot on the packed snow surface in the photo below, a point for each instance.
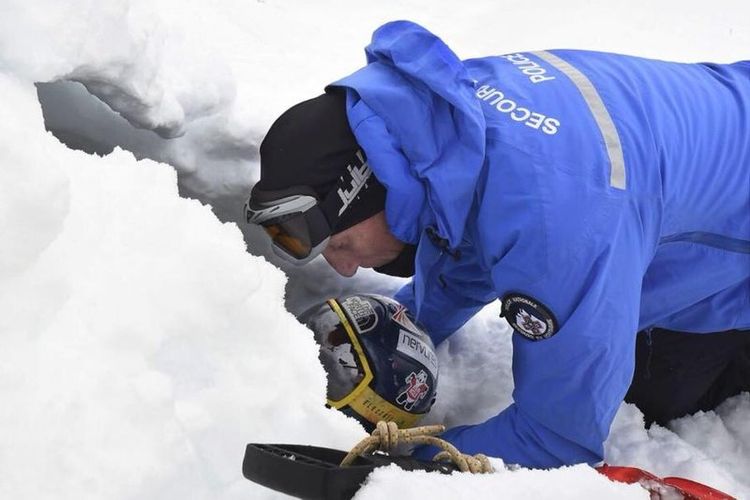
(141, 345)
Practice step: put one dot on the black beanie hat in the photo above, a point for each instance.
(312, 145)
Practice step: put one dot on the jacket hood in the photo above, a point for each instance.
(413, 111)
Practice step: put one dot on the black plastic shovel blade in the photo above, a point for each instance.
(311, 472)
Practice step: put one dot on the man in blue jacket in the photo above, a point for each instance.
(596, 195)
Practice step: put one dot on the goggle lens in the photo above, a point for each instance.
(291, 235)
(342, 360)
(340, 353)
(297, 225)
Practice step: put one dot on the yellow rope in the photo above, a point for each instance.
(387, 436)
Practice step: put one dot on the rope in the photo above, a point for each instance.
(387, 436)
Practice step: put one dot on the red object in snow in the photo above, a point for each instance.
(668, 487)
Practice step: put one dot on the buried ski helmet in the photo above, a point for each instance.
(380, 365)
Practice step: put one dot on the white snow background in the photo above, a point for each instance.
(141, 346)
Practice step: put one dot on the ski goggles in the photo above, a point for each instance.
(342, 355)
(348, 368)
(294, 219)
(298, 221)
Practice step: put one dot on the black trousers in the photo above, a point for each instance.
(678, 373)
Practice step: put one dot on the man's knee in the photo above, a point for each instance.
(679, 373)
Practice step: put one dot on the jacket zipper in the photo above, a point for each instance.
(445, 251)
(710, 239)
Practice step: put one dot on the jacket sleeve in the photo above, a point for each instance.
(567, 387)
(581, 255)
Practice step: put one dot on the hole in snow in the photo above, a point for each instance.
(212, 163)
(83, 122)
(213, 166)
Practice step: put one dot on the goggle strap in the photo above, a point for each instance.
(370, 405)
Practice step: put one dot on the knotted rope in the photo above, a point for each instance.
(387, 436)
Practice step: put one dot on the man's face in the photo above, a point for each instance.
(367, 244)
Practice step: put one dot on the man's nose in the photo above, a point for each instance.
(345, 268)
(341, 264)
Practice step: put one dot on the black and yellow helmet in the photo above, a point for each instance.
(380, 364)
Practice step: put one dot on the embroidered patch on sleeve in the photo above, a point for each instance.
(528, 316)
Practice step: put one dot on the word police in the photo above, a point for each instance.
(534, 71)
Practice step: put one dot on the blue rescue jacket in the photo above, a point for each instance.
(612, 191)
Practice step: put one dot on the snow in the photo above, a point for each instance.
(563, 483)
(142, 346)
